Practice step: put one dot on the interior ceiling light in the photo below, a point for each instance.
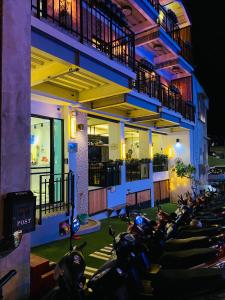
(176, 69)
(127, 10)
(157, 46)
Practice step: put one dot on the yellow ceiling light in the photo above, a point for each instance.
(151, 153)
(73, 125)
(170, 152)
(123, 150)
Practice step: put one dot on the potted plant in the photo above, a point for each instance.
(183, 170)
(83, 218)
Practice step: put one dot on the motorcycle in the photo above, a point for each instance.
(5, 279)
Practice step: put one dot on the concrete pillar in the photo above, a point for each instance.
(15, 130)
(144, 144)
(150, 145)
(82, 164)
(116, 140)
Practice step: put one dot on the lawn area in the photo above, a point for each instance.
(95, 241)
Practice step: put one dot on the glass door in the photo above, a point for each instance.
(58, 163)
(47, 159)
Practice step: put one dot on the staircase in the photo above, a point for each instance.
(41, 275)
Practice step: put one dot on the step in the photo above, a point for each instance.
(47, 281)
(38, 265)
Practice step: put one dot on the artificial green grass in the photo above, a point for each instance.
(95, 241)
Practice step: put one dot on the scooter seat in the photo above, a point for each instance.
(187, 258)
(172, 283)
(193, 232)
(188, 243)
(211, 221)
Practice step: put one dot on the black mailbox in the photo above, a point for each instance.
(19, 212)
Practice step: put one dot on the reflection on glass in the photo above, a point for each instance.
(40, 142)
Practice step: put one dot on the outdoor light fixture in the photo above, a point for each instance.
(178, 144)
(80, 127)
(127, 10)
(73, 125)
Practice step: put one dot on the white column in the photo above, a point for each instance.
(150, 146)
(144, 144)
(15, 105)
(116, 140)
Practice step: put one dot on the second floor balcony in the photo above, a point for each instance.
(137, 169)
(104, 174)
(148, 82)
(93, 22)
(160, 163)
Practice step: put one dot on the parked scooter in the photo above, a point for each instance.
(138, 270)
(69, 273)
(5, 279)
(177, 253)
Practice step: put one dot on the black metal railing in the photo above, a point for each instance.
(104, 174)
(148, 82)
(136, 170)
(56, 193)
(170, 98)
(160, 162)
(188, 110)
(90, 23)
(155, 4)
(168, 21)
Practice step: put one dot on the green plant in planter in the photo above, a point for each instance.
(187, 171)
(160, 159)
(183, 170)
(119, 162)
(83, 218)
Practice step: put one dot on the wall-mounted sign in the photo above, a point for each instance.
(19, 212)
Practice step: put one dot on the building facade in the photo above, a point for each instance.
(114, 103)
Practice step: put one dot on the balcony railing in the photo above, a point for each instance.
(186, 50)
(136, 170)
(56, 193)
(168, 21)
(91, 23)
(160, 163)
(104, 174)
(155, 4)
(148, 82)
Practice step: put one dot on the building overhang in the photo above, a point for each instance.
(65, 47)
(176, 68)
(52, 75)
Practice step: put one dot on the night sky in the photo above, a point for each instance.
(208, 38)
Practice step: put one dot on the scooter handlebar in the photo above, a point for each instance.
(7, 277)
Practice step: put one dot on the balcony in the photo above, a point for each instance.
(148, 82)
(92, 22)
(137, 170)
(104, 174)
